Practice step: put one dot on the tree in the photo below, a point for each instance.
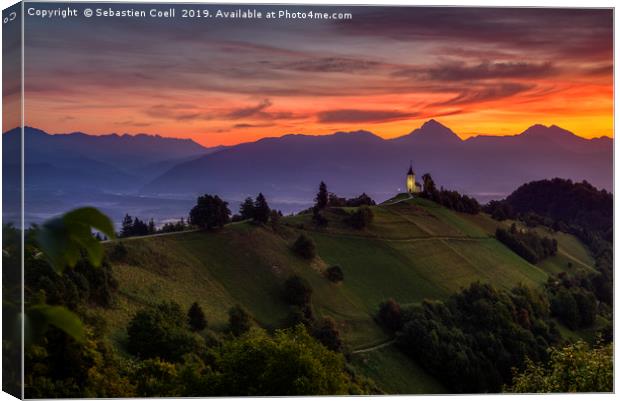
(574, 368)
(297, 291)
(361, 218)
(196, 317)
(304, 247)
(239, 320)
(274, 218)
(429, 186)
(288, 363)
(328, 334)
(127, 226)
(246, 210)
(390, 315)
(261, 209)
(151, 228)
(210, 212)
(318, 218)
(335, 274)
(322, 197)
(361, 200)
(161, 332)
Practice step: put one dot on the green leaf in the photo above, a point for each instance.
(93, 218)
(39, 317)
(61, 239)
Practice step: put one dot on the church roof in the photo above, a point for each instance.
(410, 170)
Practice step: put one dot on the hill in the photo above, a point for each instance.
(413, 250)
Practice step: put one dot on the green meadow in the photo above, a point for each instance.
(413, 250)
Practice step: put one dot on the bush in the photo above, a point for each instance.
(335, 274)
(118, 252)
(300, 315)
(239, 320)
(390, 315)
(361, 218)
(361, 200)
(288, 363)
(529, 245)
(327, 333)
(304, 247)
(318, 219)
(161, 332)
(196, 318)
(297, 291)
(574, 368)
(209, 212)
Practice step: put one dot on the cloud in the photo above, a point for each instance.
(244, 126)
(541, 31)
(454, 72)
(486, 94)
(250, 111)
(178, 112)
(330, 64)
(130, 123)
(362, 116)
(259, 112)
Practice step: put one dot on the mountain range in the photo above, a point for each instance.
(288, 169)
(353, 162)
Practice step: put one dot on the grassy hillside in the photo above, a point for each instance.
(413, 250)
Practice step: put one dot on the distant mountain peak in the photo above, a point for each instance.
(356, 134)
(548, 132)
(431, 132)
(432, 123)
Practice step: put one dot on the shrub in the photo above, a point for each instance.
(288, 363)
(297, 291)
(209, 212)
(327, 333)
(390, 315)
(300, 315)
(361, 218)
(574, 368)
(304, 247)
(318, 219)
(239, 320)
(196, 318)
(335, 274)
(160, 332)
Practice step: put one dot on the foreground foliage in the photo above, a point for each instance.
(574, 368)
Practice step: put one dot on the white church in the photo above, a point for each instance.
(413, 187)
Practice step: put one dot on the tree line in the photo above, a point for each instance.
(576, 208)
(450, 199)
(472, 341)
(135, 227)
(527, 244)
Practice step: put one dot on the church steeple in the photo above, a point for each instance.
(410, 172)
(411, 187)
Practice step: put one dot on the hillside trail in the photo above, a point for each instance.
(397, 201)
(374, 348)
(149, 236)
(162, 234)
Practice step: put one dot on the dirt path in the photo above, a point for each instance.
(397, 201)
(150, 236)
(376, 347)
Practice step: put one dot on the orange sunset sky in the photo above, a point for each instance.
(478, 71)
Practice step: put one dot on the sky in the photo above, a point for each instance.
(493, 71)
